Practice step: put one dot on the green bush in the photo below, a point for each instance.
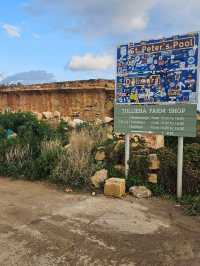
(139, 165)
(48, 159)
(191, 204)
(168, 169)
(191, 169)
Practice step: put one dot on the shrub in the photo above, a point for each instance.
(76, 164)
(48, 159)
(191, 204)
(138, 166)
(16, 160)
(168, 168)
(191, 169)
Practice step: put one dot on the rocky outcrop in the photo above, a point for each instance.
(86, 100)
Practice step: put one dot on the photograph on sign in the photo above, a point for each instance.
(158, 71)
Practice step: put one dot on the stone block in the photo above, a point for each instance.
(115, 187)
(154, 141)
(153, 178)
(154, 162)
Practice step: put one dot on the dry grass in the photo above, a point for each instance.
(76, 164)
(17, 153)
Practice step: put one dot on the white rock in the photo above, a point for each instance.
(140, 192)
(107, 119)
(76, 122)
(47, 115)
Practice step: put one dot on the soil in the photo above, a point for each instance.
(40, 225)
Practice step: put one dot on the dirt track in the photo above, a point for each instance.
(41, 226)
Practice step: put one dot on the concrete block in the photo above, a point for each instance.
(153, 178)
(115, 187)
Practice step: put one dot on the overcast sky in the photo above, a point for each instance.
(47, 40)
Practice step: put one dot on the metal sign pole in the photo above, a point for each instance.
(127, 154)
(180, 167)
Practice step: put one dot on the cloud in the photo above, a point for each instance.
(1, 76)
(12, 31)
(90, 62)
(99, 17)
(120, 19)
(30, 77)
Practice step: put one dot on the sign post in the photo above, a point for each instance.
(180, 167)
(127, 153)
(156, 91)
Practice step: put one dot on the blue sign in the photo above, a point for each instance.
(158, 71)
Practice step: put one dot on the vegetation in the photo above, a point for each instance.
(35, 150)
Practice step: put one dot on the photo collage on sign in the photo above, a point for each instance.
(156, 71)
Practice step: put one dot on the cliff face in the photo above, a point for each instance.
(85, 99)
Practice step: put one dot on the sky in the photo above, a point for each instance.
(58, 40)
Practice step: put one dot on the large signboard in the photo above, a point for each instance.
(158, 71)
(154, 79)
(168, 120)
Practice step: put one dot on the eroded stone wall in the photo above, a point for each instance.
(85, 99)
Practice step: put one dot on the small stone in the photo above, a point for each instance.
(99, 178)
(68, 190)
(110, 136)
(140, 192)
(47, 115)
(93, 193)
(107, 120)
(100, 156)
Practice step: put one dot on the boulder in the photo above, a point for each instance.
(76, 122)
(140, 192)
(47, 115)
(100, 156)
(115, 187)
(107, 120)
(99, 178)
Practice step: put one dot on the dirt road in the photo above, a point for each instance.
(41, 226)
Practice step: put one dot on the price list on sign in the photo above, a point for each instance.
(169, 120)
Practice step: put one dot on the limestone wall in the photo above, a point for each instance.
(85, 99)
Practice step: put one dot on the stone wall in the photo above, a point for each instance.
(85, 99)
